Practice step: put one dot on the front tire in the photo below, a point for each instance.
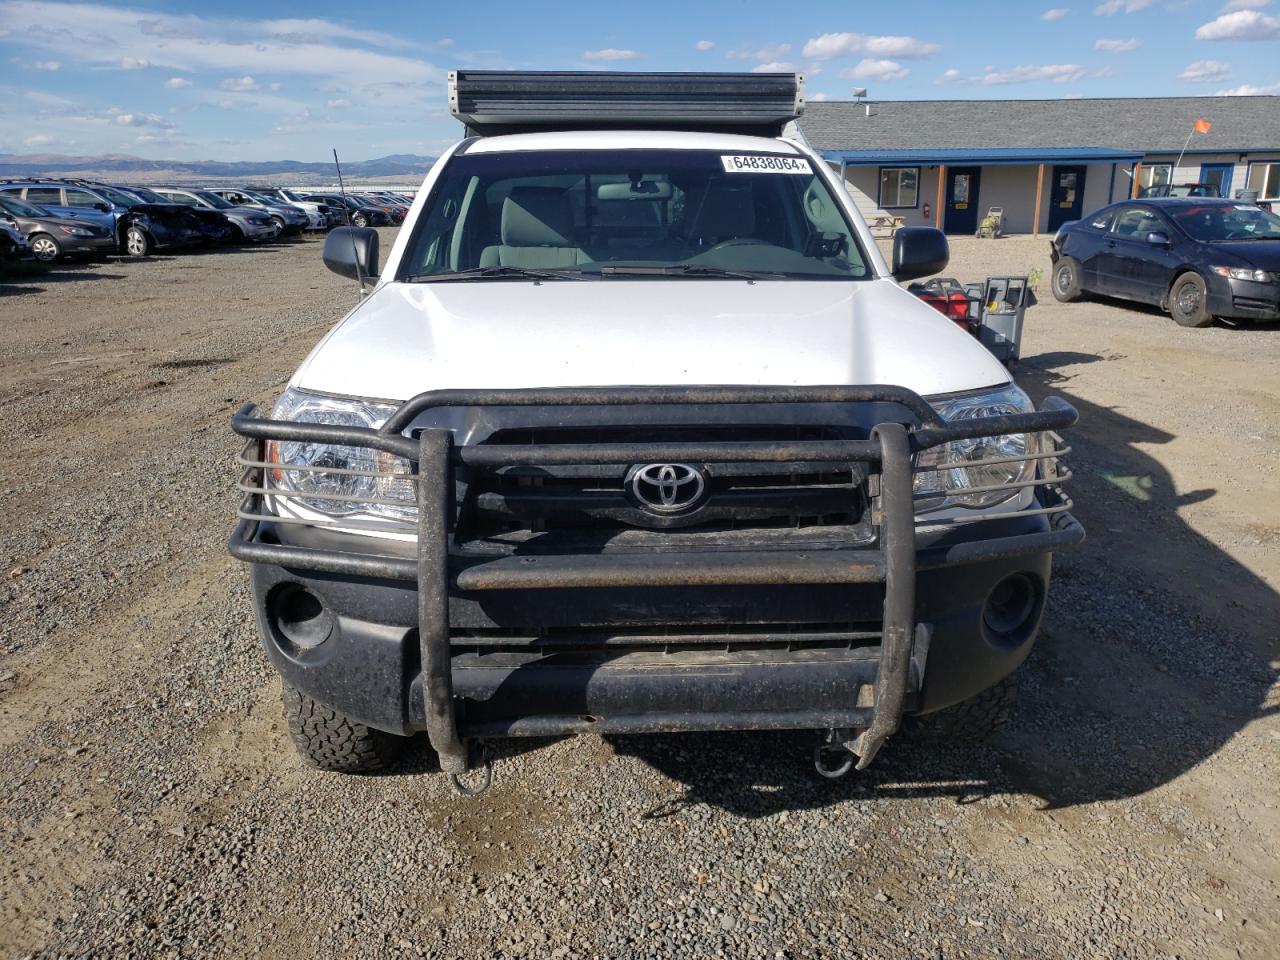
(332, 741)
(360, 220)
(1066, 280)
(1189, 301)
(136, 242)
(45, 247)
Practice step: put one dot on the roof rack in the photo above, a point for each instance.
(493, 102)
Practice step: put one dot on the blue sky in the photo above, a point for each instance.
(176, 79)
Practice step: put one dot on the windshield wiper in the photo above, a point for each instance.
(690, 270)
(486, 273)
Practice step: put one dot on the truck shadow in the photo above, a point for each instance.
(1157, 649)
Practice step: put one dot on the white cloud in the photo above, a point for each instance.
(1028, 73)
(831, 45)
(39, 140)
(139, 119)
(1248, 90)
(108, 35)
(704, 45)
(1054, 13)
(1073, 96)
(1240, 25)
(1246, 5)
(1117, 46)
(133, 63)
(239, 84)
(338, 104)
(46, 65)
(1206, 71)
(764, 53)
(775, 66)
(274, 88)
(177, 83)
(1109, 8)
(819, 98)
(611, 54)
(445, 42)
(872, 69)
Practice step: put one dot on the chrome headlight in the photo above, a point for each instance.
(339, 481)
(945, 472)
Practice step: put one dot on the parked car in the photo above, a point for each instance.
(353, 212)
(290, 220)
(249, 223)
(13, 245)
(214, 227)
(318, 213)
(1180, 190)
(63, 198)
(1197, 258)
(52, 238)
(395, 210)
(449, 532)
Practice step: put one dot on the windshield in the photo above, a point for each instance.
(213, 199)
(118, 197)
(22, 208)
(148, 196)
(1219, 222)
(686, 213)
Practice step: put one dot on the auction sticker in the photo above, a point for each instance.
(762, 163)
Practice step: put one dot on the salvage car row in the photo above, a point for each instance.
(52, 219)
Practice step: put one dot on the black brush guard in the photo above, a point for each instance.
(892, 561)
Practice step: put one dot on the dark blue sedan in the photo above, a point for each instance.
(1197, 258)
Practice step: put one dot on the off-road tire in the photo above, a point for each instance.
(1188, 301)
(329, 740)
(1065, 281)
(974, 719)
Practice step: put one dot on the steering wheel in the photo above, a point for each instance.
(736, 242)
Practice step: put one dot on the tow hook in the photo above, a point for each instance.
(482, 760)
(832, 758)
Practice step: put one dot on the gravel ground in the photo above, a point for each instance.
(152, 806)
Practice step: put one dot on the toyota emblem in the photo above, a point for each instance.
(667, 487)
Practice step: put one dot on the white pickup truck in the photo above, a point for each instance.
(637, 432)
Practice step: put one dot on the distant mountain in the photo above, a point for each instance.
(114, 166)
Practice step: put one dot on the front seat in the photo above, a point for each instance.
(722, 213)
(537, 223)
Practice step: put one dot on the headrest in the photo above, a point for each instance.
(537, 217)
(724, 213)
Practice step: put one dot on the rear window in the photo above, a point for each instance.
(45, 195)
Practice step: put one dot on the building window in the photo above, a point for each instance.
(1155, 174)
(899, 187)
(1265, 178)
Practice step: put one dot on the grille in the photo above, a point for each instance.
(738, 497)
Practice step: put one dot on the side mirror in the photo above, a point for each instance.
(1158, 238)
(102, 208)
(919, 252)
(352, 252)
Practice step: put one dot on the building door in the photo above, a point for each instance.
(1066, 198)
(962, 200)
(1218, 175)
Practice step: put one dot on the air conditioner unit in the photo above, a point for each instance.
(491, 102)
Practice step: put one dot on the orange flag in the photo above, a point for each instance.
(1203, 125)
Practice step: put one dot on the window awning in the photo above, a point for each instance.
(977, 156)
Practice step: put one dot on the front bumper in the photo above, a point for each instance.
(1245, 299)
(826, 636)
(81, 245)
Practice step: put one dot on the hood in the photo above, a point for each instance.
(1259, 254)
(407, 338)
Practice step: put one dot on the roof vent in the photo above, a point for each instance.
(491, 102)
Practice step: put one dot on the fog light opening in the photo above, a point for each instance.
(300, 617)
(1012, 609)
